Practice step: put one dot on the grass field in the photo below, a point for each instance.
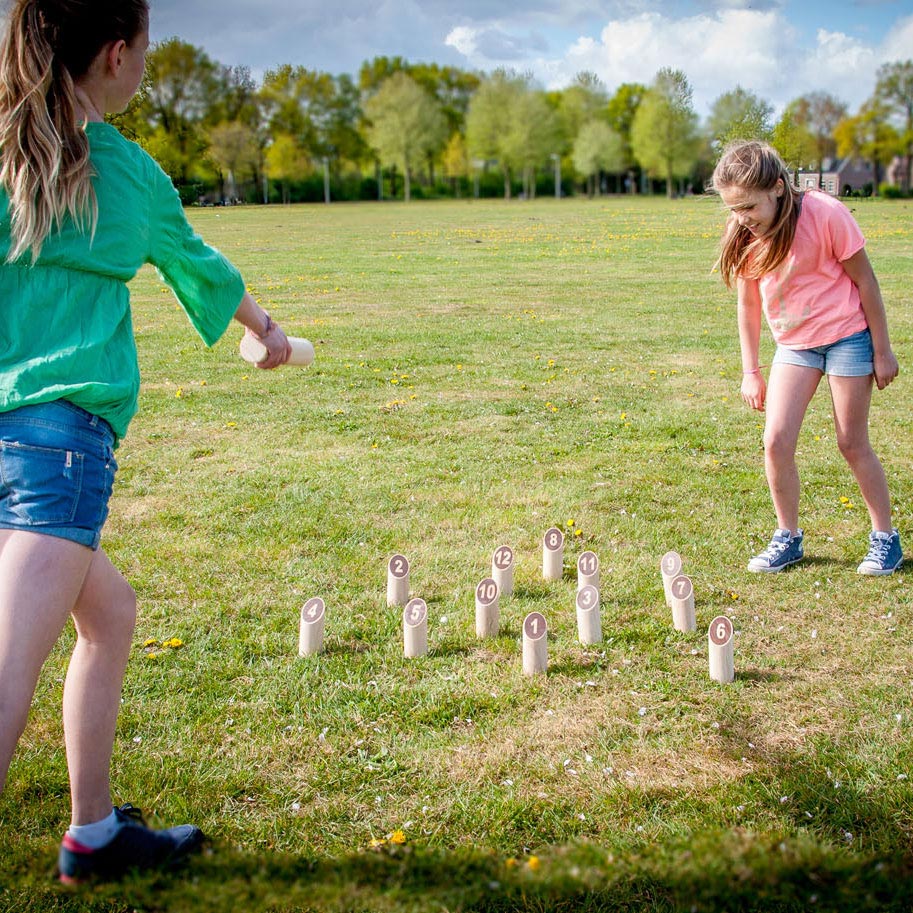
(484, 371)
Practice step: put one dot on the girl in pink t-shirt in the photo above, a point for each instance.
(801, 259)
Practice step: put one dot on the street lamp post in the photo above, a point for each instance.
(557, 160)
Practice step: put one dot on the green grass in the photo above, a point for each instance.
(484, 371)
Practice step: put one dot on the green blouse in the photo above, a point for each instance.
(67, 331)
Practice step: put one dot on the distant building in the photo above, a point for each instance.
(839, 177)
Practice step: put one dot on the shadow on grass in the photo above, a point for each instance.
(712, 872)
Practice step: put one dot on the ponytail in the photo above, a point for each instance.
(44, 154)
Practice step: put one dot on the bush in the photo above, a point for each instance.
(890, 192)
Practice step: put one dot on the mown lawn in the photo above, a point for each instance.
(486, 370)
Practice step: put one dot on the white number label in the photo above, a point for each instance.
(682, 587)
(399, 566)
(671, 564)
(503, 557)
(313, 610)
(554, 539)
(416, 612)
(534, 626)
(587, 597)
(720, 630)
(588, 563)
(486, 592)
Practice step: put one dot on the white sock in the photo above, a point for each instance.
(97, 834)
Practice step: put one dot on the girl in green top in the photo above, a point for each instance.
(81, 210)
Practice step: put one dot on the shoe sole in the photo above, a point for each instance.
(181, 855)
(872, 572)
(773, 570)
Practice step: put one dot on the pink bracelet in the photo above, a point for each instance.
(753, 370)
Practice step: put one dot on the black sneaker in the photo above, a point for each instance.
(134, 846)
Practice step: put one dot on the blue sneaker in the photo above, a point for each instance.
(885, 554)
(134, 846)
(784, 549)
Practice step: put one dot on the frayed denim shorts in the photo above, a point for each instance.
(57, 471)
(851, 356)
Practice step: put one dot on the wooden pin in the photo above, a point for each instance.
(587, 570)
(553, 554)
(310, 631)
(487, 609)
(720, 650)
(397, 580)
(415, 628)
(502, 569)
(589, 622)
(682, 590)
(535, 644)
(670, 566)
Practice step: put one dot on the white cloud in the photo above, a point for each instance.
(463, 39)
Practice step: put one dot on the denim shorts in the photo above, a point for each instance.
(57, 471)
(851, 356)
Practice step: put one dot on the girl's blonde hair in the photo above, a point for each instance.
(754, 165)
(44, 152)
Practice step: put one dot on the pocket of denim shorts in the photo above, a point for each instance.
(42, 484)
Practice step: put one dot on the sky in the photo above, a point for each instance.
(778, 49)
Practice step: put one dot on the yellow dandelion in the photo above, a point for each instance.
(375, 842)
(510, 862)
(623, 416)
(231, 424)
(151, 642)
(844, 499)
(571, 523)
(173, 643)
(152, 656)
(533, 863)
(397, 837)
(179, 393)
(578, 532)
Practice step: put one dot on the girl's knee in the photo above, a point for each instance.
(778, 445)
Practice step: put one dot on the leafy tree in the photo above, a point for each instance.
(895, 89)
(792, 138)
(739, 114)
(868, 135)
(819, 113)
(406, 124)
(597, 148)
(235, 150)
(664, 133)
(488, 120)
(581, 102)
(456, 160)
(182, 98)
(621, 109)
(532, 136)
(287, 162)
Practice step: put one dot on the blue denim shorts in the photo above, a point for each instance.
(57, 471)
(851, 356)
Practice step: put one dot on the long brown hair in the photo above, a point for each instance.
(44, 152)
(754, 165)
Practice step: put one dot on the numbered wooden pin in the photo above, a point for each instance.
(310, 631)
(587, 570)
(502, 569)
(682, 590)
(720, 650)
(488, 611)
(397, 580)
(670, 566)
(535, 644)
(589, 622)
(553, 554)
(415, 628)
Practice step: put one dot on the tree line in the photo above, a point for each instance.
(401, 130)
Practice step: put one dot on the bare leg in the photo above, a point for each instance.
(105, 616)
(40, 580)
(789, 391)
(851, 397)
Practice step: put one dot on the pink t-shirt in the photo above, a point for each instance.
(809, 300)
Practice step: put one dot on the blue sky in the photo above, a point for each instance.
(779, 49)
